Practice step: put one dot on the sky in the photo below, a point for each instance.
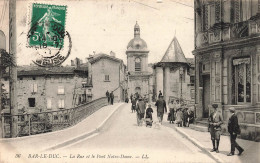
(108, 25)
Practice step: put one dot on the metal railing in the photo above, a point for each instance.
(36, 123)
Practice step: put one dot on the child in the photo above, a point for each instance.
(149, 117)
(179, 117)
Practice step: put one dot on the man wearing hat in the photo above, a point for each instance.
(215, 122)
(161, 106)
(233, 129)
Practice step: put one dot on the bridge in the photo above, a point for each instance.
(109, 132)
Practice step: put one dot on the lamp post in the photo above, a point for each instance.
(181, 73)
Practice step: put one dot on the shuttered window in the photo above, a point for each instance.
(61, 104)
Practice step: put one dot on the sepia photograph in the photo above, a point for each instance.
(129, 81)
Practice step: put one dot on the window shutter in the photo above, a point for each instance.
(35, 87)
(59, 103)
(48, 103)
(32, 88)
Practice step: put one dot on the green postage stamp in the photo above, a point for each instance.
(47, 36)
(47, 26)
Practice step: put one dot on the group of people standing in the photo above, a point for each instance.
(110, 97)
(180, 114)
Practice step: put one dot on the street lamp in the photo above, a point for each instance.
(181, 73)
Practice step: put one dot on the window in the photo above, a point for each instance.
(34, 88)
(192, 93)
(48, 103)
(31, 102)
(61, 90)
(137, 64)
(204, 17)
(241, 80)
(61, 103)
(60, 80)
(226, 11)
(192, 80)
(68, 79)
(245, 11)
(21, 78)
(106, 77)
(211, 15)
(34, 78)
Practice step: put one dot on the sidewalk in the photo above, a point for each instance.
(203, 141)
(57, 139)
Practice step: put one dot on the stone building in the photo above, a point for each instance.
(107, 73)
(173, 74)
(227, 61)
(47, 89)
(137, 65)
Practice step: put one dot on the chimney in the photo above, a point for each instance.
(112, 54)
(72, 63)
(77, 60)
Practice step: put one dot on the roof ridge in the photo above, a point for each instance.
(174, 52)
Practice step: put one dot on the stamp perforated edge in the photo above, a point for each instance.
(29, 17)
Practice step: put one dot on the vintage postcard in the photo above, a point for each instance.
(129, 81)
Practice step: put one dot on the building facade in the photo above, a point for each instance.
(41, 89)
(227, 61)
(137, 66)
(107, 73)
(173, 74)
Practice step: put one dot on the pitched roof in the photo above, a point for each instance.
(39, 71)
(174, 53)
(99, 56)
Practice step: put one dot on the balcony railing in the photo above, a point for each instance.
(227, 32)
(36, 123)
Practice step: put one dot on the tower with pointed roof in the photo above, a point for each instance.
(169, 80)
(137, 64)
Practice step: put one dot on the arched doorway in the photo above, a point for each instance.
(138, 90)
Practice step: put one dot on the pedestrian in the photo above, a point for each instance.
(160, 94)
(161, 107)
(215, 122)
(149, 116)
(172, 111)
(179, 117)
(131, 97)
(140, 109)
(234, 130)
(185, 116)
(133, 108)
(178, 105)
(190, 117)
(108, 96)
(137, 96)
(112, 97)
